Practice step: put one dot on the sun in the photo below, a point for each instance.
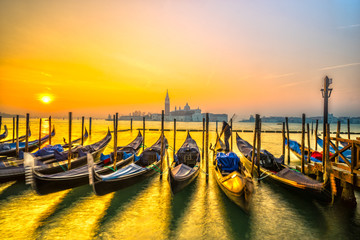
(46, 99)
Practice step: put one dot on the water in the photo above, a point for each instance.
(148, 210)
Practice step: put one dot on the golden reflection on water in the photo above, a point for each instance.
(4, 186)
(148, 210)
(80, 220)
(21, 215)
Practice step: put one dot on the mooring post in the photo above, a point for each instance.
(216, 126)
(312, 127)
(17, 135)
(82, 130)
(337, 136)
(231, 136)
(70, 145)
(303, 144)
(174, 138)
(283, 139)
(27, 132)
(143, 133)
(254, 143)
(308, 143)
(131, 124)
(288, 139)
(203, 140)
(326, 93)
(40, 123)
(49, 130)
(316, 131)
(258, 149)
(14, 129)
(162, 144)
(207, 145)
(90, 121)
(348, 125)
(116, 117)
(0, 122)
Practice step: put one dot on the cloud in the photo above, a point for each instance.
(280, 76)
(349, 26)
(339, 66)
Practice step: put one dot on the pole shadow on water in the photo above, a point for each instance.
(290, 210)
(121, 198)
(17, 188)
(179, 205)
(74, 195)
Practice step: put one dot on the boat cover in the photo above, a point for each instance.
(48, 150)
(228, 162)
(296, 147)
(127, 170)
(299, 178)
(182, 170)
(346, 153)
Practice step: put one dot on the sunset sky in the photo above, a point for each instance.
(243, 57)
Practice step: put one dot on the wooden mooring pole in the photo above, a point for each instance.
(231, 136)
(14, 129)
(143, 134)
(27, 132)
(316, 131)
(162, 144)
(308, 143)
(216, 126)
(0, 122)
(70, 145)
(288, 138)
(283, 139)
(90, 122)
(82, 130)
(116, 116)
(203, 140)
(49, 121)
(207, 145)
(17, 135)
(337, 136)
(303, 144)
(258, 149)
(174, 152)
(348, 126)
(131, 124)
(40, 123)
(254, 143)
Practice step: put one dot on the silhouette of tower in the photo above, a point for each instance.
(167, 104)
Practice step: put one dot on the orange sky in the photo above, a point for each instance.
(98, 57)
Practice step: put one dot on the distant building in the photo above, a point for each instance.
(186, 114)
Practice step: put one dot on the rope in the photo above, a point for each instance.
(156, 168)
(204, 172)
(261, 175)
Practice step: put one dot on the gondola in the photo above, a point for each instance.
(5, 134)
(274, 170)
(186, 165)
(233, 179)
(295, 148)
(55, 164)
(48, 183)
(143, 166)
(9, 149)
(21, 139)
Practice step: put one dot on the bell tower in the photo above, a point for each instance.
(167, 104)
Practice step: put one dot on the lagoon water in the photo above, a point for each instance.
(147, 210)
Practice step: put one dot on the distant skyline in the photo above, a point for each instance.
(243, 57)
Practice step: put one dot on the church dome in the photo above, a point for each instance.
(187, 107)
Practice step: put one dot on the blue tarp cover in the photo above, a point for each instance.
(295, 146)
(346, 153)
(49, 149)
(228, 162)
